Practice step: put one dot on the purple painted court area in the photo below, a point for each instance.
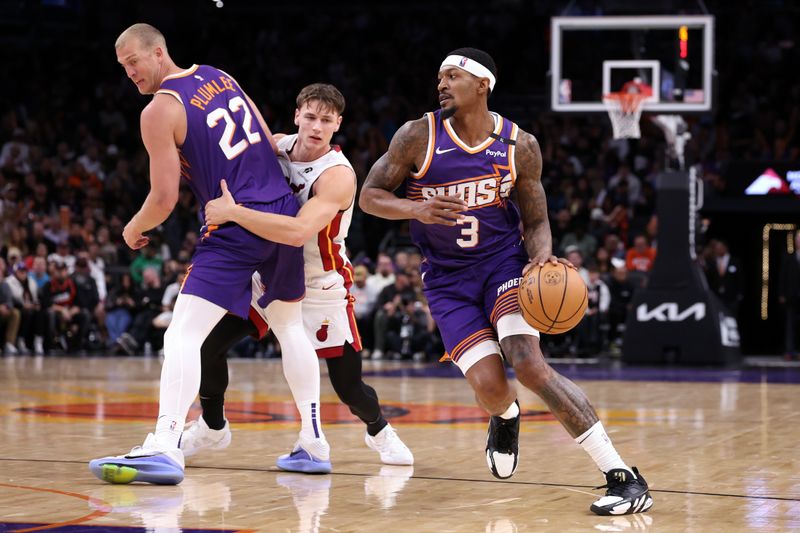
(592, 372)
(82, 528)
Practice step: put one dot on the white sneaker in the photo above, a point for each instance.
(150, 463)
(377, 355)
(200, 437)
(38, 345)
(392, 450)
(22, 347)
(11, 349)
(309, 456)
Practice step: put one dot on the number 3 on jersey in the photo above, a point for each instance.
(253, 137)
(469, 235)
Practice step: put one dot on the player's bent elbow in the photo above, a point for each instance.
(365, 200)
(167, 202)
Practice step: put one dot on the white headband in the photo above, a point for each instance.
(471, 66)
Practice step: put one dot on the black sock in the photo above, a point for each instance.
(214, 411)
(373, 428)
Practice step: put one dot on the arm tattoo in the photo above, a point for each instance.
(406, 151)
(532, 202)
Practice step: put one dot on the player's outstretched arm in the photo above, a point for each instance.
(333, 192)
(160, 121)
(377, 195)
(532, 201)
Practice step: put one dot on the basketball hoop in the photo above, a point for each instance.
(625, 110)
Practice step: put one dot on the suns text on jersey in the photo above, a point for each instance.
(477, 192)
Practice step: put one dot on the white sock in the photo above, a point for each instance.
(511, 412)
(192, 320)
(597, 444)
(300, 364)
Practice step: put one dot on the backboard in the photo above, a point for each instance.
(593, 56)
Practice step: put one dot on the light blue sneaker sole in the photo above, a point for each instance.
(303, 462)
(157, 469)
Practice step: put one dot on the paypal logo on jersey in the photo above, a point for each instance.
(495, 153)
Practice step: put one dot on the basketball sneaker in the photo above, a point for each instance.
(625, 494)
(502, 446)
(392, 450)
(200, 437)
(149, 463)
(309, 456)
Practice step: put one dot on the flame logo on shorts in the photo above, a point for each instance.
(552, 278)
(322, 332)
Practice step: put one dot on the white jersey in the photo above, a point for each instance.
(328, 314)
(326, 264)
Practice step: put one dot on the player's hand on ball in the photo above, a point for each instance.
(540, 262)
(220, 210)
(441, 210)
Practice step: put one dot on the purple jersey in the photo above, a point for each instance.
(224, 139)
(483, 176)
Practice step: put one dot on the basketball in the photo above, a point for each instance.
(553, 298)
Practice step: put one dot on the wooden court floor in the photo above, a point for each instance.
(720, 455)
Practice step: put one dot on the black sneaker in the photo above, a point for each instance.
(502, 446)
(625, 494)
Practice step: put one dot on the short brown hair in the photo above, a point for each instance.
(327, 95)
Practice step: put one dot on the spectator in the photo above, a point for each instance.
(146, 259)
(724, 276)
(383, 276)
(789, 290)
(120, 306)
(364, 307)
(39, 273)
(25, 297)
(142, 331)
(58, 301)
(87, 300)
(9, 317)
(641, 256)
(63, 255)
(584, 242)
(390, 306)
(621, 292)
(590, 331)
(574, 256)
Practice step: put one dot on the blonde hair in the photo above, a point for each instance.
(148, 36)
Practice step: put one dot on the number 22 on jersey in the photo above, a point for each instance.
(252, 137)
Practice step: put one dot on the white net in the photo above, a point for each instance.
(625, 110)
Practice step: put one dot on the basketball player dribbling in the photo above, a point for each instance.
(200, 125)
(325, 185)
(461, 164)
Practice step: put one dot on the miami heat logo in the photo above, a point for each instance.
(295, 188)
(322, 332)
(552, 278)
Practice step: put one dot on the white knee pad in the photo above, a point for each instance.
(476, 353)
(514, 324)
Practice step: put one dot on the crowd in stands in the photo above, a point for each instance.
(73, 171)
